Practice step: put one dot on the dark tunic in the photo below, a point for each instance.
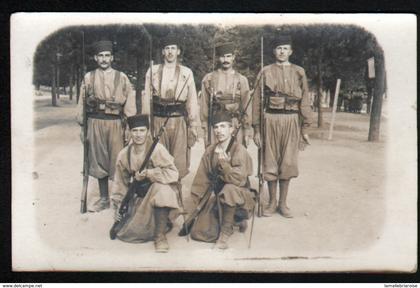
(235, 192)
(282, 131)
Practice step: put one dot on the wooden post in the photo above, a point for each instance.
(319, 93)
(378, 92)
(53, 87)
(337, 91)
(57, 74)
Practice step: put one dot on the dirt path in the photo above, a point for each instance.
(338, 203)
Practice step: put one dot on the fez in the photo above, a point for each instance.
(222, 116)
(103, 45)
(170, 39)
(282, 40)
(138, 121)
(225, 48)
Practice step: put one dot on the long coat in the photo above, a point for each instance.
(235, 192)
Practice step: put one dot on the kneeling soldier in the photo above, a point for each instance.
(149, 219)
(226, 174)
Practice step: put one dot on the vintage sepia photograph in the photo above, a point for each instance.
(214, 142)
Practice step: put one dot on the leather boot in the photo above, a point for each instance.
(103, 202)
(282, 208)
(227, 227)
(161, 221)
(272, 190)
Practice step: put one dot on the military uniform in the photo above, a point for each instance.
(236, 199)
(169, 83)
(110, 100)
(230, 91)
(287, 115)
(148, 219)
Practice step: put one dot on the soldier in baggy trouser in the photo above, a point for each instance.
(110, 99)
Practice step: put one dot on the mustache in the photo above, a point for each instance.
(225, 63)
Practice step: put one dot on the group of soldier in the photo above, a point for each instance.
(221, 192)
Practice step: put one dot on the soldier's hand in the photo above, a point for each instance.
(117, 216)
(257, 139)
(246, 138)
(141, 175)
(192, 136)
(303, 142)
(223, 157)
(306, 139)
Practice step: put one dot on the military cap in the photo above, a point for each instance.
(221, 116)
(281, 39)
(103, 45)
(225, 48)
(170, 39)
(138, 121)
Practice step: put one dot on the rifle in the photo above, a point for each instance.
(83, 200)
(138, 187)
(262, 135)
(210, 108)
(216, 185)
(152, 120)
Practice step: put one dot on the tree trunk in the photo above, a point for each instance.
(331, 93)
(378, 92)
(53, 87)
(77, 83)
(57, 85)
(319, 93)
(71, 82)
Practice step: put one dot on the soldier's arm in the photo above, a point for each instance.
(83, 87)
(204, 102)
(130, 93)
(121, 181)
(245, 98)
(192, 103)
(237, 170)
(305, 104)
(256, 104)
(145, 101)
(164, 170)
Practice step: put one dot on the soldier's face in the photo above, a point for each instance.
(170, 53)
(283, 52)
(227, 60)
(139, 134)
(223, 131)
(104, 59)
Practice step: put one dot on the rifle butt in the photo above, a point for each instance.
(114, 231)
(83, 204)
(259, 205)
(116, 227)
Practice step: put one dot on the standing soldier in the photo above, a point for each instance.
(287, 115)
(224, 174)
(229, 91)
(149, 213)
(110, 99)
(174, 95)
